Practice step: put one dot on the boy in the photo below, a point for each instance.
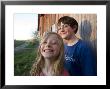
(79, 58)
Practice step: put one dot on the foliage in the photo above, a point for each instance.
(18, 43)
(23, 61)
(32, 44)
(24, 58)
(36, 35)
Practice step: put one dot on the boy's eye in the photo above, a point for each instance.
(59, 28)
(65, 25)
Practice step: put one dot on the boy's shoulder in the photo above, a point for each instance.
(84, 43)
(81, 44)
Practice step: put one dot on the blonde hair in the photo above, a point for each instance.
(57, 65)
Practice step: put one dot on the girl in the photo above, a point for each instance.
(50, 60)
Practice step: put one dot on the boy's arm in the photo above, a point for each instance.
(88, 61)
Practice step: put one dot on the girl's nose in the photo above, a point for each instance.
(48, 44)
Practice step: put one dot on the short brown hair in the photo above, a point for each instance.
(70, 21)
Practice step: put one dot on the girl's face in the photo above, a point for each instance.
(50, 47)
(65, 31)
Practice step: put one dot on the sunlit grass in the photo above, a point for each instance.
(18, 42)
(23, 61)
(24, 57)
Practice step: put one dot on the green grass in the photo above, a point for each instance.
(18, 42)
(23, 61)
(32, 44)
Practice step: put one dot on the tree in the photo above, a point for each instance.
(36, 37)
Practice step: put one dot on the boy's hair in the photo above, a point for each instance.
(57, 65)
(70, 21)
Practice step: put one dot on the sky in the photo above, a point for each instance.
(24, 25)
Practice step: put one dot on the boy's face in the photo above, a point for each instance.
(65, 31)
(50, 48)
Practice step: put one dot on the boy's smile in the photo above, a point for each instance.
(65, 31)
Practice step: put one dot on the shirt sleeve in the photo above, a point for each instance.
(88, 61)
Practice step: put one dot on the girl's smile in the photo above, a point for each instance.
(50, 47)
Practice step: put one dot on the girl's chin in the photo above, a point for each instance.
(48, 56)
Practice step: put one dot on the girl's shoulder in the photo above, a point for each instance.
(65, 73)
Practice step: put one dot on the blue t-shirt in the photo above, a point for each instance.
(80, 59)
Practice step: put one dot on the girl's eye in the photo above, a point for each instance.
(44, 42)
(54, 43)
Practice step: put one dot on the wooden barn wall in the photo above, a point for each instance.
(87, 28)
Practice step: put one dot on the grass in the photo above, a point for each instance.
(32, 44)
(18, 42)
(24, 58)
(23, 61)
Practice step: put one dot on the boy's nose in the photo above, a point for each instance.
(62, 29)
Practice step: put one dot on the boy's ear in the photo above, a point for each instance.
(74, 28)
